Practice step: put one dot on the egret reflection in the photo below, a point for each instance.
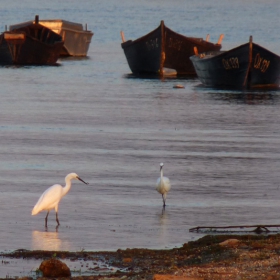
(163, 227)
(45, 240)
(163, 217)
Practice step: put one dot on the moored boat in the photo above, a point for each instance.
(246, 66)
(164, 49)
(76, 38)
(32, 44)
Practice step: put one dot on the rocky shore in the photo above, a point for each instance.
(211, 257)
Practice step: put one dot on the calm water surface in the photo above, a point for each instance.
(90, 116)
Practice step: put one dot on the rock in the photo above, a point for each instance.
(178, 86)
(230, 243)
(54, 268)
(114, 278)
(172, 277)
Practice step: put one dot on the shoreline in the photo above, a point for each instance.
(210, 257)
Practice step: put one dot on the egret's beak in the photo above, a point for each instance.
(82, 180)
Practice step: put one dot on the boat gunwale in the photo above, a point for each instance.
(195, 40)
(21, 30)
(208, 55)
(76, 31)
(27, 23)
(66, 28)
(132, 42)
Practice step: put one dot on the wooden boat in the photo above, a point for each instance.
(32, 44)
(163, 48)
(76, 38)
(247, 66)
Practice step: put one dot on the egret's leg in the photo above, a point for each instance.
(46, 219)
(163, 198)
(56, 214)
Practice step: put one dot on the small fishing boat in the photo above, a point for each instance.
(164, 49)
(246, 66)
(76, 38)
(31, 44)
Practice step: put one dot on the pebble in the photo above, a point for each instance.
(178, 86)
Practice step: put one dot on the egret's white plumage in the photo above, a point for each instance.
(51, 197)
(163, 185)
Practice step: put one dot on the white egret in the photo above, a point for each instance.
(163, 185)
(51, 197)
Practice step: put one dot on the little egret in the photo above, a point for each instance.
(163, 185)
(51, 197)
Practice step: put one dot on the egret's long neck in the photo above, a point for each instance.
(67, 187)
(161, 173)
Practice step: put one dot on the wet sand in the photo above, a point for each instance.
(211, 257)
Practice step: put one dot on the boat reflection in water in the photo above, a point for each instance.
(45, 240)
(251, 97)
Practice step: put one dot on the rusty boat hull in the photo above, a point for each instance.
(163, 48)
(76, 39)
(246, 66)
(32, 44)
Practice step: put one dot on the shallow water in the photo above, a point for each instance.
(90, 116)
(22, 267)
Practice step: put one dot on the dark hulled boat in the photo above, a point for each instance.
(246, 66)
(76, 38)
(31, 44)
(164, 48)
